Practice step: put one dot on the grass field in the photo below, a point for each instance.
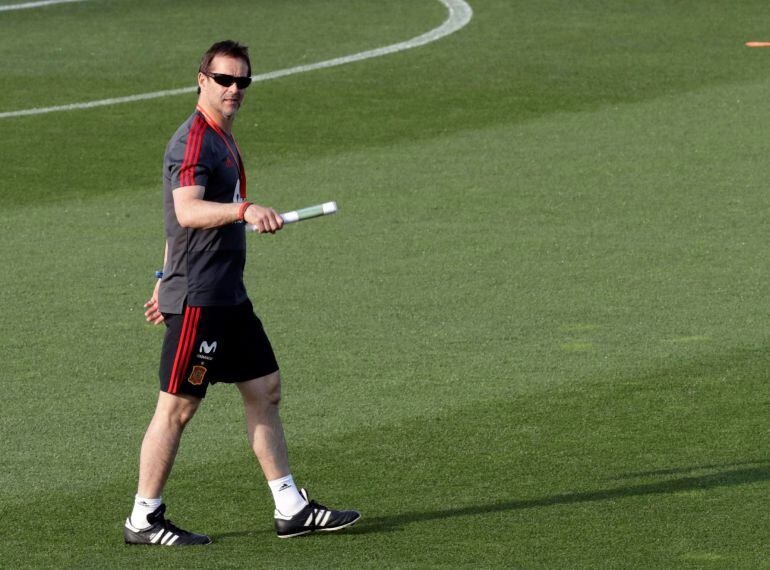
(535, 336)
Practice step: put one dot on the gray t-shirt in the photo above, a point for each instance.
(204, 267)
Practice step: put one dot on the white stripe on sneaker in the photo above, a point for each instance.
(157, 537)
(173, 540)
(326, 518)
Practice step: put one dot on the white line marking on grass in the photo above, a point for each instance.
(26, 5)
(460, 14)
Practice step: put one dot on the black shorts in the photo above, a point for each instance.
(206, 345)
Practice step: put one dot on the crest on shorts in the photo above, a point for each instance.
(197, 374)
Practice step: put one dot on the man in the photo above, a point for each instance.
(212, 333)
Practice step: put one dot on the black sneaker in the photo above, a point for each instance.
(161, 532)
(313, 517)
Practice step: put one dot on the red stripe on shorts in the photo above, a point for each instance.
(184, 348)
(179, 347)
(185, 362)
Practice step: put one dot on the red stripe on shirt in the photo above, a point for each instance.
(186, 161)
(196, 154)
(192, 151)
(195, 150)
(200, 125)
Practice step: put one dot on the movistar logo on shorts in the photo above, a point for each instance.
(207, 348)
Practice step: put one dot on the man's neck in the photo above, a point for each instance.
(224, 123)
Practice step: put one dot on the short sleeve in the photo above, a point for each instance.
(187, 162)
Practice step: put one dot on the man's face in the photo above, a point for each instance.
(224, 100)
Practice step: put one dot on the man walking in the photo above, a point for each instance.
(212, 333)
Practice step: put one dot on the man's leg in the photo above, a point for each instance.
(161, 441)
(295, 515)
(261, 397)
(147, 525)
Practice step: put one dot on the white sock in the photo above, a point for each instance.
(142, 508)
(288, 500)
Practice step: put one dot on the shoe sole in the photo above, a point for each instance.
(172, 546)
(306, 532)
(158, 544)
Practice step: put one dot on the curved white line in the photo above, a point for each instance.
(26, 5)
(460, 14)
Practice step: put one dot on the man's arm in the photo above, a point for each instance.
(192, 211)
(153, 314)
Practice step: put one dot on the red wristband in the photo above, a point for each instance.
(242, 210)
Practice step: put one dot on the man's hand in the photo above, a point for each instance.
(264, 219)
(153, 314)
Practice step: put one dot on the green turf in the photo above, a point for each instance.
(533, 336)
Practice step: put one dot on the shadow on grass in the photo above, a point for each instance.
(726, 478)
(683, 470)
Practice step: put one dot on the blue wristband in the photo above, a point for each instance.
(159, 274)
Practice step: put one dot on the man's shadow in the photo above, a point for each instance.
(726, 475)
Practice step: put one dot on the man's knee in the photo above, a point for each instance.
(177, 409)
(264, 391)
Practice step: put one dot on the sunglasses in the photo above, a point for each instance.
(227, 80)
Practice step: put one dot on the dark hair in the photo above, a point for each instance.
(227, 48)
